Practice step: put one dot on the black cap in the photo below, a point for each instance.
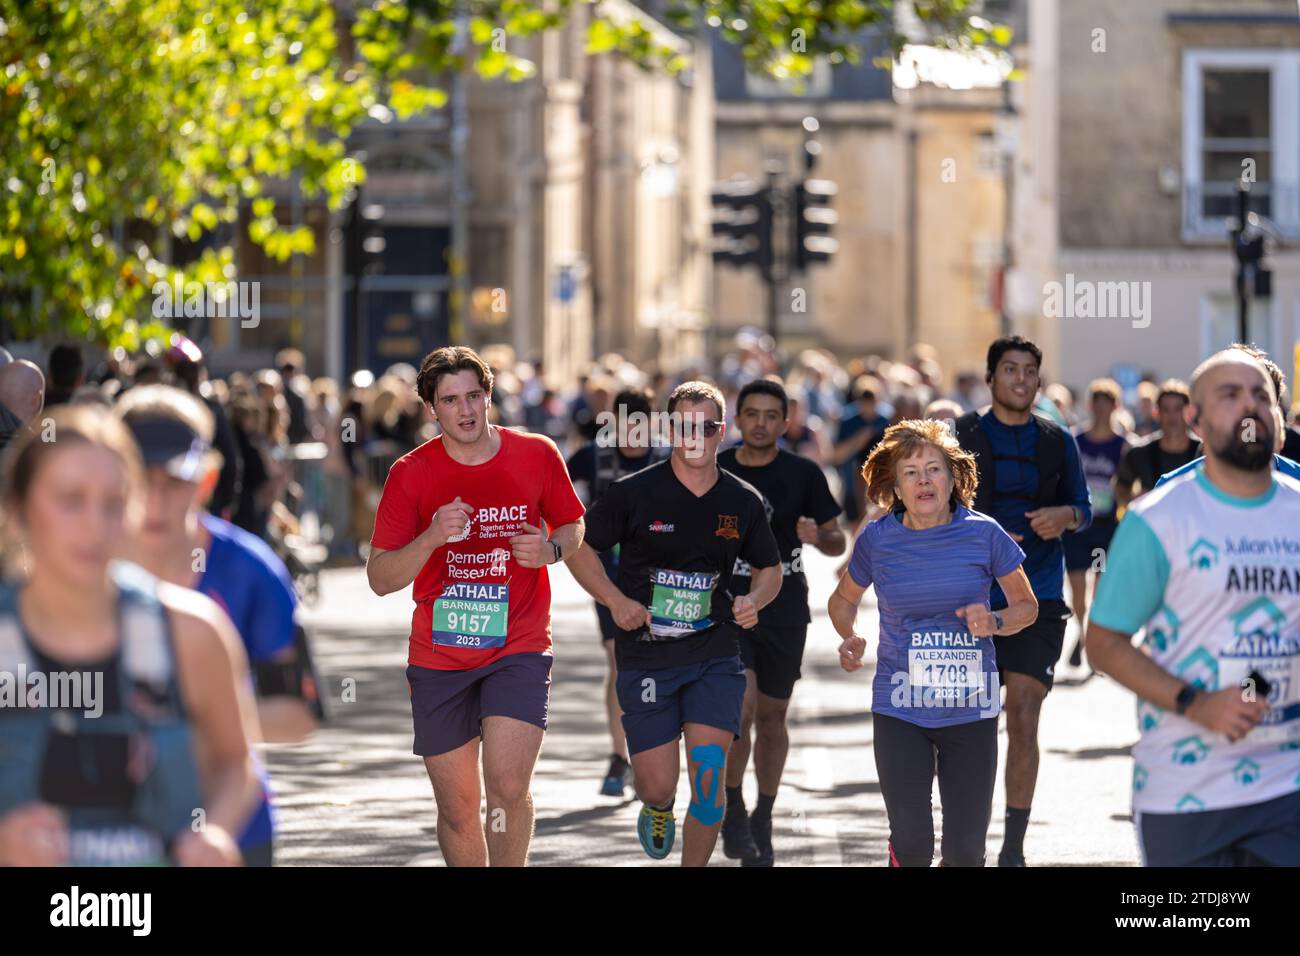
(170, 444)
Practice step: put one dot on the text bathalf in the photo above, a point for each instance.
(474, 592)
(693, 580)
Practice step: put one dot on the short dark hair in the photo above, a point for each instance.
(634, 400)
(1010, 343)
(65, 366)
(764, 386)
(697, 392)
(449, 360)
(1175, 387)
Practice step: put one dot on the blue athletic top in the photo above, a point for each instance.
(930, 670)
(252, 585)
(1016, 488)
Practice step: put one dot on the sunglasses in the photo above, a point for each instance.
(709, 428)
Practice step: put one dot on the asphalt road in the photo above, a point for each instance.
(355, 795)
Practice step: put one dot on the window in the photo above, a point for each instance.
(1235, 141)
(816, 85)
(1241, 121)
(1219, 323)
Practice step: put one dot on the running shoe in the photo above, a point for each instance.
(1076, 655)
(737, 842)
(615, 778)
(656, 830)
(760, 828)
(1011, 859)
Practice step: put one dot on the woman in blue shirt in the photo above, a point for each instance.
(935, 695)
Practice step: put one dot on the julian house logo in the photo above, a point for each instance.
(1203, 555)
(192, 300)
(1083, 299)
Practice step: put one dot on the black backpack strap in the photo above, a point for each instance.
(972, 437)
(605, 470)
(1051, 459)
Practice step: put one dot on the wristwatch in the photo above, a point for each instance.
(997, 622)
(556, 548)
(1185, 697)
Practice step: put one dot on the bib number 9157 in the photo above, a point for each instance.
(472, 616)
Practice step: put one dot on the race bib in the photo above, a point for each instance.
(472, 616)
(680, 602)
(123, 845)
(1103, 497)
(948, 662)
(1282, 722)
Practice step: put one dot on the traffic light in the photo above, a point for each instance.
(742, 225)
(813, 222)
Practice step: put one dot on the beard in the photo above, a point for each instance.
(1248, 455)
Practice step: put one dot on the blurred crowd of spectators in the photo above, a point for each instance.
(308, 456)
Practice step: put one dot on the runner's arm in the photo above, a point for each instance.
(765, 586)
(843, 605)
(569, 538)
(213, 673)
(389, 571)
(1022, 606)
(1112, 652)
(590, 573)
(830, 538)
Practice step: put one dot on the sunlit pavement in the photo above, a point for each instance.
(355, 795)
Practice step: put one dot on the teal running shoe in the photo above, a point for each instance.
(656, 830)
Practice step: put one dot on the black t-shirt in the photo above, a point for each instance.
(677, 556)
(794, 487)
(1146, 461)
(1291, 444)
(599, 467)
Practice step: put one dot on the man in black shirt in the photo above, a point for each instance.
(616, 451)
(803, 512)
(1161, 452)
(680, 526)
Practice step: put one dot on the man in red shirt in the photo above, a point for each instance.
(462, 516)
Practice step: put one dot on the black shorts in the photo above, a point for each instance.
(448, 707)
(774, 654)
(1036, 649)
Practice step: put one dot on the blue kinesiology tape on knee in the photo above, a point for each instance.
(709, 757)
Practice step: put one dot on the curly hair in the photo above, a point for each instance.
(906, 439)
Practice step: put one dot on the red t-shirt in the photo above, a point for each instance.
(483, 604)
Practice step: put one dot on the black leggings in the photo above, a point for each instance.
(968, 765)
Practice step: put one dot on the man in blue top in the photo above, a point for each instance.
(1284, 465)
(182, 543)
(1031, 481)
